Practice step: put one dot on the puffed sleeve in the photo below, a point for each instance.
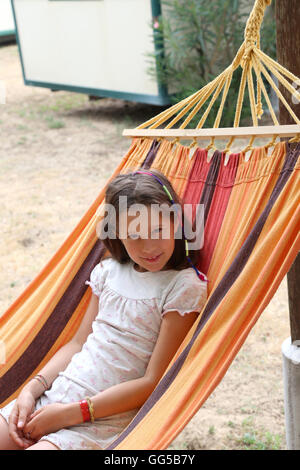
(97, 277)
(187, 294)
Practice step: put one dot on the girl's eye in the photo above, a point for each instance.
(136, 237)
(133, 237)
(158, 230)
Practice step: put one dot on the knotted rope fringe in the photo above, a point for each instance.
(252, 60)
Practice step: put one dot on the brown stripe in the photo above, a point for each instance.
(210, 183)
(43, 342)
(219, 293)
(151, 155)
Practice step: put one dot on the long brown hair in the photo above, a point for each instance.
(144, 189)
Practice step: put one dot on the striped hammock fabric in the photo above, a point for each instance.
(251, 239)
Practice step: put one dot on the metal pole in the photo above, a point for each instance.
(291, 361)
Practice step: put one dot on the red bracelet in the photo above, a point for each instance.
(85, 410)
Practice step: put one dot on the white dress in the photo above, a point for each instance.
(125, 330)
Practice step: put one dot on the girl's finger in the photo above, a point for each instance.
(32, 435)
(29, 444)
(17, 438)
(22, 418)
(27, 436)
(13, 417)
(28, 428)
(26, 442)
(12, 427)
(35, 413)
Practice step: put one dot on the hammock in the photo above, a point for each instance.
(251, 240)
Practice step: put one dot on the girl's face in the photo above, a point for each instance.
(148, 241)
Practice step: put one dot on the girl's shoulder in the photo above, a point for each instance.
(186, 292)
(105, 263)
(187, 278)
(99, 274)
(188, 275)
(103, 267)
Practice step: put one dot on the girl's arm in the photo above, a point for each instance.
(63, 356)
(25, 402)
(124, 396)
(134, 393)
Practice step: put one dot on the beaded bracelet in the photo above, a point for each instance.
(85, 410)
(42, 380)
(91, 408)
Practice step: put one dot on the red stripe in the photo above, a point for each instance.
(197, 178)
(221, 193)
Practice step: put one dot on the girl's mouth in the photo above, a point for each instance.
(153, 259)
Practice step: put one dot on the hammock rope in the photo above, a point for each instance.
(252, 60)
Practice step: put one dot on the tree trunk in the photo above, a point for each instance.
(288, 55)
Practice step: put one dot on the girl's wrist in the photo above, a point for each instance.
(79, 412)
(73, 414)
(35, 388)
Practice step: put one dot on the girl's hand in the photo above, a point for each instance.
(47, 419)
(21, 411)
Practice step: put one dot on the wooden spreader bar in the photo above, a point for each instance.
(217, 133)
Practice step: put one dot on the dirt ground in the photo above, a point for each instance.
(56, 152)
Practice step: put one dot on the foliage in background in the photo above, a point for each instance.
(196, 40)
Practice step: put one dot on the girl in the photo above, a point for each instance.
(145, 298)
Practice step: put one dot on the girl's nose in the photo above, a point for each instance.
(148, 247)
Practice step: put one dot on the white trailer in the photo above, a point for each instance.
(7, 24)
(97, 47)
